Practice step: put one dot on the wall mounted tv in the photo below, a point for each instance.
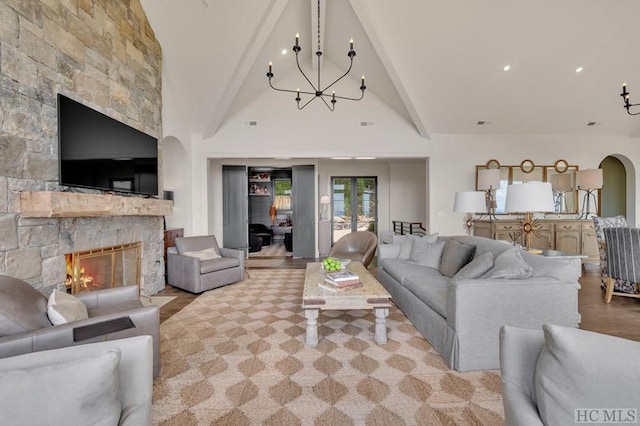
(99, 152)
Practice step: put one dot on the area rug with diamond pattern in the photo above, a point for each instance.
(237, 356)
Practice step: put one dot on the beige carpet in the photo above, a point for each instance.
(236, 356)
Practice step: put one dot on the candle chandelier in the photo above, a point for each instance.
(318, 92)
(625, 96)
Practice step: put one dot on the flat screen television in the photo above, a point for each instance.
(98, 152)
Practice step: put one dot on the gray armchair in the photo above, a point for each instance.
(197, 264)
(134, 382)
(623, 254)
(359, 246)
(25, 326)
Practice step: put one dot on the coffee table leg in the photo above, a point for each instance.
(381, 325)
(312, 326)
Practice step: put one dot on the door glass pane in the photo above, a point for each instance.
(341, 207)
(366, 219)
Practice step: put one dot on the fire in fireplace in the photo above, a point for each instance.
(102, 268)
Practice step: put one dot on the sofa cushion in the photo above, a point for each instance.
(118, 308)
(427, 253)
(431, 289)
(63, 308)
(400, 269)
(219, 264)
(206, 254)
(477, 267)
(32, 396)
(454, 256)
(579, 369)
(405, 249)
(510, 264)
(22, 307)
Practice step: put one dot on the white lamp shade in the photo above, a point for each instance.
(561, 182)
(324, 199)
(488, 179)
(470, 202)
(529, 197)
(589, 179)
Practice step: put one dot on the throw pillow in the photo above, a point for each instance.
(579, 369)
(206, 254)
(477, 267)
(454, 256)
(63, 308)
(32, 396)
(510, 264)
(405, 249)
(427, 253)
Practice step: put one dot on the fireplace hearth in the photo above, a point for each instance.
(103, 268)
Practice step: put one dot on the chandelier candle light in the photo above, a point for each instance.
(625, 96)
(318, 92)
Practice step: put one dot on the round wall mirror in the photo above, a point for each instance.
(527, 166)
(561, 166)
(493, 164)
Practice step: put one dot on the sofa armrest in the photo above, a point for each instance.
(388, 251)
(135, 382)
(109, 296)
(238, 254)
(519, 351)
(183, 271)
(476, 309)
(145, 318)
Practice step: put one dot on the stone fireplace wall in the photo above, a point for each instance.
(102, 53)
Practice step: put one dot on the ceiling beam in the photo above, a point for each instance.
(254, 47)
(362, 12)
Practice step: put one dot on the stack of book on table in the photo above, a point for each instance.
(340, 281)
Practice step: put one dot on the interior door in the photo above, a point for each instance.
(235, 227)
(304, 211)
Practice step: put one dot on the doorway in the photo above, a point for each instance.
(354, 205)
(613, 195)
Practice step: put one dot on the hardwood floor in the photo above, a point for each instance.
(619, 318)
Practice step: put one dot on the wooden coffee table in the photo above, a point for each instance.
(370, 296)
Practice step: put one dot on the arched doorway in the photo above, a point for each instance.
(613, 195)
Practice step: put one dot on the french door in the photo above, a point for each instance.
(354, 205)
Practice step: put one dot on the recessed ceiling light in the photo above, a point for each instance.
(507, 67)
(341, 158)
(579, 69)
(284, 51)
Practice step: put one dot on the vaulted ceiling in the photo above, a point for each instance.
(438, 63)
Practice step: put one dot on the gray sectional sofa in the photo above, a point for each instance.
(458, 291)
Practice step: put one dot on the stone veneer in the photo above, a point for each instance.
(104, 54)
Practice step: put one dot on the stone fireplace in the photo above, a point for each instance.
(102, 268)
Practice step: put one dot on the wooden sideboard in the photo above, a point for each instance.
(566, 235)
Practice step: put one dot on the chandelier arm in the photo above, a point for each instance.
(290, 91)
(302, 72)
(308, 102)
(350, 99)
(331, 107)
(341, 77)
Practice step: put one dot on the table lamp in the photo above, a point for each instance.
(588, 180)
(469, 202)
(488, 181)
(325, 200)
(561, 184)
(273, 212)
(526, 198)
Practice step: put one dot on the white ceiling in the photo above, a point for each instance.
(438, 63)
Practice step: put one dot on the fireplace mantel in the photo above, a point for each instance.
(69, 204)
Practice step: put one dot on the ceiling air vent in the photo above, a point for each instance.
(367, 123)
(592, 123)
(483, 123)
(249, 123)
